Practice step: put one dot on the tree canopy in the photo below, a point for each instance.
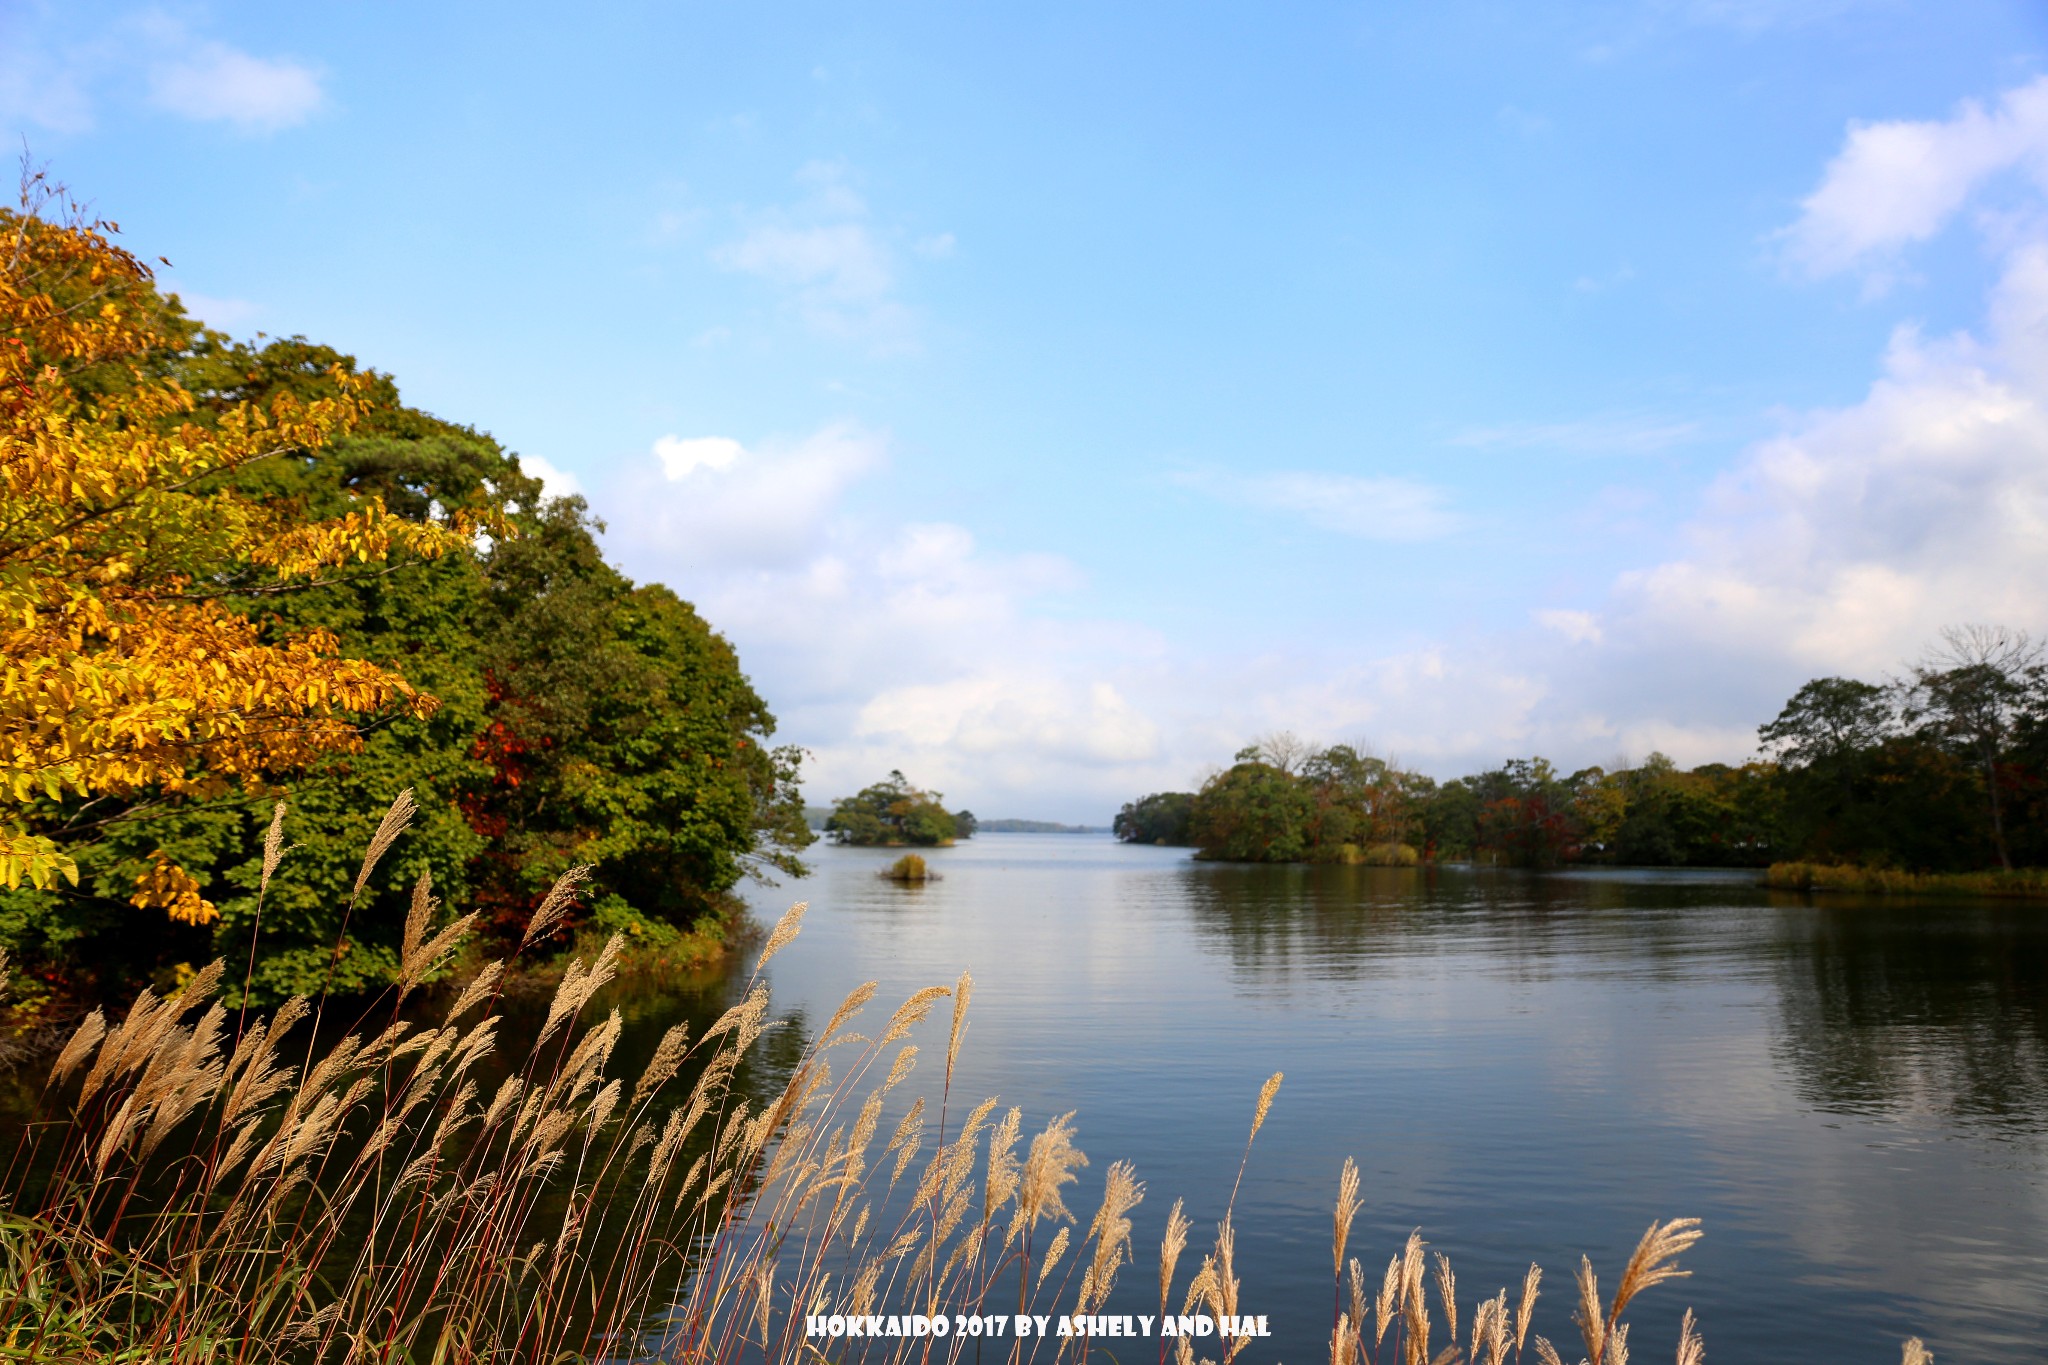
(891, 812)
(1161, 818)
(126, 667)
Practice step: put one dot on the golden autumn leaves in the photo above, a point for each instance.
(123, 669)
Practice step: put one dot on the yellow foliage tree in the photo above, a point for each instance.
(122, 666)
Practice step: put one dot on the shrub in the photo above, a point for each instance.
(909, 868)
(1381, 855)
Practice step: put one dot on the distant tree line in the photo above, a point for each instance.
(1942, 769)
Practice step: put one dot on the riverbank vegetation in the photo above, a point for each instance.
(1938, 772)
(234, 571)
(2024, 883)
(892, 813)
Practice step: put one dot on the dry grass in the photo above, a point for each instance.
(2022, 883)
(194, 1195)
(1379, 855)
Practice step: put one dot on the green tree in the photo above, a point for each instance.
(583, 720)
(1828, 721)
(1359, 800)
(1161, 818)
(1828, 739)
(1972, 695)
(1254, 811)
(891, 812)
(1450, 820)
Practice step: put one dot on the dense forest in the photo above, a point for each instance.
(234, 573)
(1938, 770)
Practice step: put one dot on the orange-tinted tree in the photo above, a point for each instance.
(125, 547)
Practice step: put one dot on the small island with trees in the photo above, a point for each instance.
(893, 813)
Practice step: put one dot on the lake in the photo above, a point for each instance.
(1853, 1095)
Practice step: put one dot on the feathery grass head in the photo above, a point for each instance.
(1111, 1230)
(1591, 1320)
(1048, 1167)
(1266, 1094)
(1655, 1260)
(666, 1061)
(1692, 1349)
(1171, 1245)
(912, 1012)
(1447, 1290)
(961, 992)
(418, 916)
(555, 905)
(83, 1040)
(1346, 1211)
(856, 1000)
(1053, 1252)
(1525, 1308)
(1389, 1299)
(273, 846)
(783, 934)
(388, 829)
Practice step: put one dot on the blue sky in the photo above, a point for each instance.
(1049, 399)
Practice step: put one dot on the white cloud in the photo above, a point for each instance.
(1899, 182)
(937, 247)
(708, 503)
(834, 271)
(839, 263)
(212, 82)
(555, 483)
(1042, 718)
(1848, 541)
(891, 644)
(1843, 544)
(1580, 627)
(679, 456)
(60, 66)
(1390, 509)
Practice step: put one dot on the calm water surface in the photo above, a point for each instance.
(1852, 1095)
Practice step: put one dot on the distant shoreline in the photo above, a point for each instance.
(815, 817)
(1036, 827)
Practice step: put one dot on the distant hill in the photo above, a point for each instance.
(1037, 827)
